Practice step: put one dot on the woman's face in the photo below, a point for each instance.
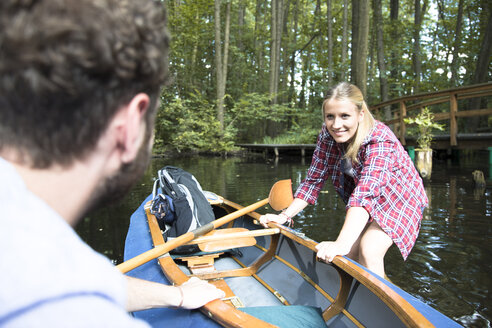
(342, 119)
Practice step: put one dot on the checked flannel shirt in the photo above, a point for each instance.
(384, 182)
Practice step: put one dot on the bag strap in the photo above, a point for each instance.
(168, 185)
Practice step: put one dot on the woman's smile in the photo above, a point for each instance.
(342, 119)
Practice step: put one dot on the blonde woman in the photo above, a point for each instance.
(383, 193)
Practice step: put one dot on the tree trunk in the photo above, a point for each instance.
(394, 34)
(240, 25)
(329, 34)
(360, 36)
(276, 32)
(355, 39)
(383, 79)
(280, 24)
(292, 89)
(284, 58)
(440, 34)
(194, 56)
(218, 64)
(457, 42)
(258, 46)
(483, 61)
(273, 50)
(372, 63)
(304, 76)
(344, 67)
(416, 60)
(225, 57)
(221, 60)
(481, 70)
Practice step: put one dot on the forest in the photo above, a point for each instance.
(257, 70)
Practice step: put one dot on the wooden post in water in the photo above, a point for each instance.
(453, 125)
(423, 162)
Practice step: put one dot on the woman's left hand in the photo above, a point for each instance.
(327, 250)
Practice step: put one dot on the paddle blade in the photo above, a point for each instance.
(214, 246)
(222, 239)
(281, 195)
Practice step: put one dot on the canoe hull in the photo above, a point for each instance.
(279, 270)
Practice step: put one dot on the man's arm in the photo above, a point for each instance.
(194, 293)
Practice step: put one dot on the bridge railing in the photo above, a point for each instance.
(448, 105)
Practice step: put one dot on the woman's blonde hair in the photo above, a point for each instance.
(349, 92)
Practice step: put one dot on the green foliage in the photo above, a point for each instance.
(191, 124)
(425, 123)
(296, 135)
(253, 107)
(188, 119)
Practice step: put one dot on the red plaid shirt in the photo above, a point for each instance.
(385, 183)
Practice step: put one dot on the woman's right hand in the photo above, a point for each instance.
(280, 219)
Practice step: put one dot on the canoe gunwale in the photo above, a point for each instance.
(217, 310)
(410, 316)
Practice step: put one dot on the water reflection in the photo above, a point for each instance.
(449, 267)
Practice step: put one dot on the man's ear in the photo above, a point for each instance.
(130, 127)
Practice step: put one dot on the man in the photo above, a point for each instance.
(79, 86)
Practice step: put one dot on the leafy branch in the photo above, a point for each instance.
(425, 123)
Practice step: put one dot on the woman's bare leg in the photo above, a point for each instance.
(374, 243)
(355, 251)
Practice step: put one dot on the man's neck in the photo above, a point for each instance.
(65, 190)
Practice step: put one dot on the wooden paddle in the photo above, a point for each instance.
(279, 198)
(221, 239)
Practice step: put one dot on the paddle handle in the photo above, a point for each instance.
(154, 252)
(185, 238)
(234, 215)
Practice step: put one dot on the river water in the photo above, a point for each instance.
(449, 267)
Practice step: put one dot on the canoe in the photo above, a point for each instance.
(278, 281)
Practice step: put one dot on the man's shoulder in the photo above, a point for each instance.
(45, 259)
(44, 255)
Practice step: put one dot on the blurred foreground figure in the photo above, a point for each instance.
(79, 85)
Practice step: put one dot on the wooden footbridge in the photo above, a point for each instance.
(451, 107)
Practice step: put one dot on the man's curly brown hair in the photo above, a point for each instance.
(66, 67)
